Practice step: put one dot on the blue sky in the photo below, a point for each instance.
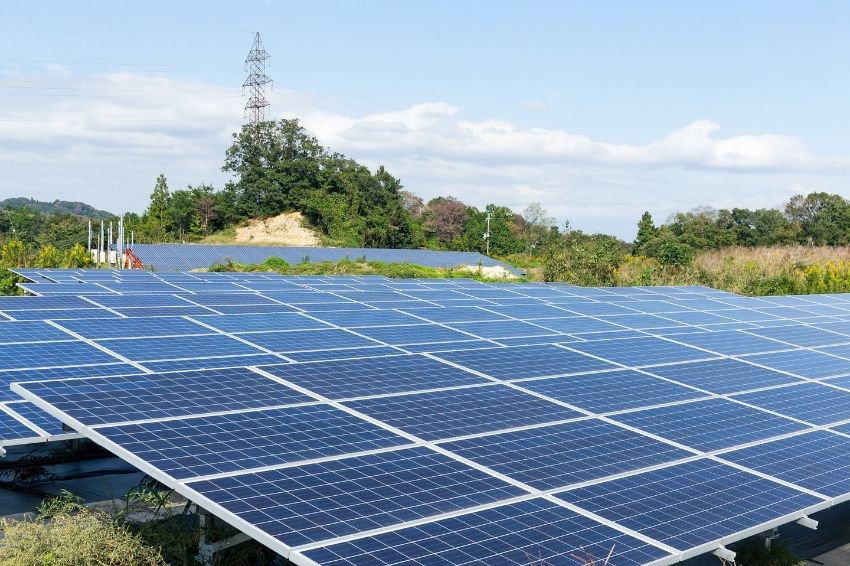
(598, 110)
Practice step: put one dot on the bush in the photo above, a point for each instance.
(754, 551)
(590, 262)
(675, 253)
(66, 533)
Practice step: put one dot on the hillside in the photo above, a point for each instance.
(57, 206)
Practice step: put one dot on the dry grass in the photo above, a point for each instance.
(750, 271)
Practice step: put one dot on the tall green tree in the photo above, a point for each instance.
(646, 232)
(158, 211)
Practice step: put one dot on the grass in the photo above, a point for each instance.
(356, 267)
(749, 271)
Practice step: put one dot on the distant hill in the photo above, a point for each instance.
(57, 206)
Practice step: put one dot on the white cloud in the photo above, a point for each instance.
(104, 138)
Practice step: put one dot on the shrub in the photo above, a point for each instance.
(66, 533)
(675, 253)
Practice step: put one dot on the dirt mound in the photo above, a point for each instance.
(494, 271)
(285, 229)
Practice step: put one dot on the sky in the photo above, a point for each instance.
(597, 110)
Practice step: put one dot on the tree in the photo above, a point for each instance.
(444, 219)
(158, 210)
(276, 164)
(534, 226)
(204, 196)
(48, 256)
(824, 219)
(413, 204)
(646, 231)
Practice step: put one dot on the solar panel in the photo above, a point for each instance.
(723, 376)
(303, 504)
(692, 503)
(204, 445)
(559, 455)
(525, 361)
(373, 376)
(708, 425)
(150, 396)
(640, 351)
(605, 392)
(279, 451)
(536, 530)
(458, 412)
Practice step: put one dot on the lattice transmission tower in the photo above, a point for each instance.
(255, 66)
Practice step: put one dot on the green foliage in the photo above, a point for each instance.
(358, 266)
(66, 533)
(674, 253)
(824, 219)
(588, 261)
(78, 257)
(646, 232)
(48, 256)
(9, 283)
(56, 207)
(14, 254)
(753, 551)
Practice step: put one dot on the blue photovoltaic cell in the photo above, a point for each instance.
(62, 314)
(11, 304)
(458, 412)
(691, 503)
(246, 309)
(357, 319)
(526, 341)
(448, 346)
(597, 309)
(210, 363)
(258, 322)
(30, 331)
(560, 455)
(786, 312)
(640, 351)
(800, 335)
(150, 396)
(320, 501)
(805, 363)
(175, 347)
(509, 534)
(324, 307)
(589, 336)
(344, 354)
(525, 361)
(303, 340)
(10, 376)
(46, 422)
(531, 312)
(817, 460)
(729, 342)
(306, 297)
(730, 424)
(371, 376)
(610, 391)
(371, 296)
(656, 307)
(810, 402)
(12, 429)
(208, 299)
(455, 314)
(723, 376)
(204, 445)
(419, 334)
(641, 321)
(696, 317)
(163, 311)
(118, 301)
(502, 329)
(53, 354)
(134, 327)
(576, 324)
(744, 315)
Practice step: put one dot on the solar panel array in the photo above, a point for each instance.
(184, 257)
(363, 420)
